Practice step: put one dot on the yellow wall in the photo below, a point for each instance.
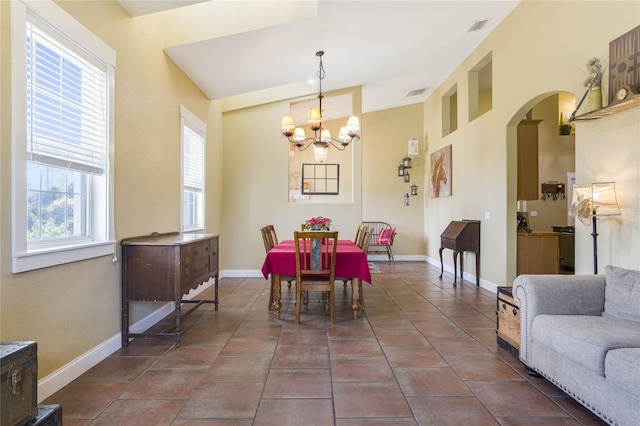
(537, 51)
(385, 138)
(72, 308)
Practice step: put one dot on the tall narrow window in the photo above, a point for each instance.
(193, 138)
(62, 140)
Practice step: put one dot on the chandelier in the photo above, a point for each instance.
(321, 139)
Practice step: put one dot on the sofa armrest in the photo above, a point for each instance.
(555, 295)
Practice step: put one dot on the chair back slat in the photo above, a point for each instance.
(315, 252)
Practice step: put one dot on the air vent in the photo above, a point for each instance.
(416, 92)
(478, 25)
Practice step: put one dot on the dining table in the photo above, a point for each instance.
(351, 264)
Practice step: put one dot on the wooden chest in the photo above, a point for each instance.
(508, 321)
(18, 405)
(48, 415)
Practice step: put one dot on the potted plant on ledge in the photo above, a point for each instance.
(595, 70)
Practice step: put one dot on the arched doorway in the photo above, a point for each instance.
(547, 211)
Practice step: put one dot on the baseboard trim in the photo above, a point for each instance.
(80, 365)
(488, 285)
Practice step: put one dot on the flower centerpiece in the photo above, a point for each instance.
(318, 224)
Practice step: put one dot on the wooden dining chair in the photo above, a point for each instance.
(315, 267)
(363, 235)
(270, 240)
(359, 232)
(363, 244)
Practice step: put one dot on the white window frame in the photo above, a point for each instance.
(189, 120)
(102, 241)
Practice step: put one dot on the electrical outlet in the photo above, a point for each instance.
(533, 213)
(487, 215)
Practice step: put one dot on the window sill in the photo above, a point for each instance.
(43, 259)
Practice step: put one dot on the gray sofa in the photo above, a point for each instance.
(582, 332)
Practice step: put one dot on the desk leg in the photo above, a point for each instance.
(356, 284)
(441, 264)
(455, 267)
(275, 286)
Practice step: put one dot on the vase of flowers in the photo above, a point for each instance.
(595, 70)
(318, 224)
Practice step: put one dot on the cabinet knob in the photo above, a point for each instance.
(504, 306)
(515, 312)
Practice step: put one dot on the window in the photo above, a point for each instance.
(193, 136)
(62, 139)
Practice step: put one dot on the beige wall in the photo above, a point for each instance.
(608, 149)
(72, 308)
(256, 176)
(385, 137)
(529, 63)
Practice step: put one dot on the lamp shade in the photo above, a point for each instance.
(287, 123)
(298, 134)
(314, 116)
(353, 124)
(594, 200)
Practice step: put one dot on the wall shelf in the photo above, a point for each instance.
(633, 101)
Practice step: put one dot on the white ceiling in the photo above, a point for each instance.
(390, 48)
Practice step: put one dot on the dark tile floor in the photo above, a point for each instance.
(423, 352)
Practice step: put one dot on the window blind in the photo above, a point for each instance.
(193, 158)
(66, 105)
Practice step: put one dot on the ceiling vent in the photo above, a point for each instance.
(416, 92)
(478, 25)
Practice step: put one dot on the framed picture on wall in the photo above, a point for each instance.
(441, 172)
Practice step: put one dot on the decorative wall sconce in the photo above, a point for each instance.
(407, 177)
(406, 162)
(406, 199)
(401, 170)
(414, 189)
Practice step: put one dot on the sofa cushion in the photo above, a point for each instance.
(585, 339)
(622, 293)
(622, 369)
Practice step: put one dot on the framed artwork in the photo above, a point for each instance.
(441, 172)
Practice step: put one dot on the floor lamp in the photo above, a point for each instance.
(592, 201)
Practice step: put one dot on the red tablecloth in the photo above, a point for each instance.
(351, 261)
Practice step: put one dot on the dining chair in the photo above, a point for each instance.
(359, 232)
(363, 244)
(269, 240)
(363, 235)
(315, 267)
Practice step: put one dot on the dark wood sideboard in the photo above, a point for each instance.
(165, 267)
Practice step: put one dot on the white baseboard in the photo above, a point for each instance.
(75, 368)
(488, 285)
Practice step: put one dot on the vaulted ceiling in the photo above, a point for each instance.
(390, 48)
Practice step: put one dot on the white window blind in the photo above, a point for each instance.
(66, 104)
(193, 158)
